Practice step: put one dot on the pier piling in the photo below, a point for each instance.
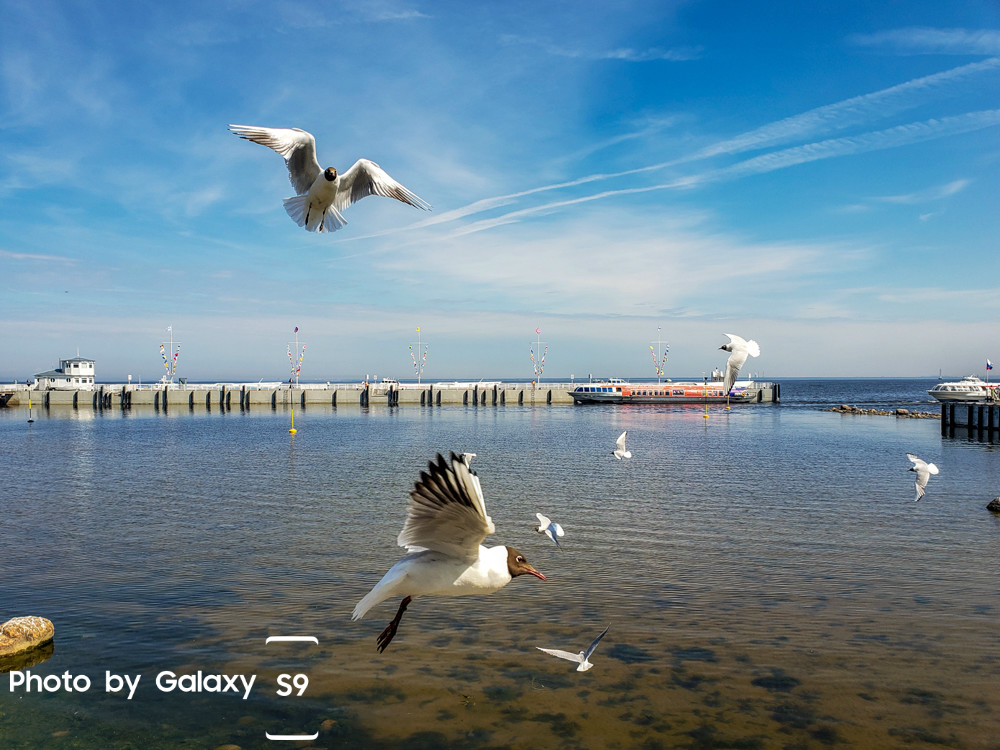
(978, 421)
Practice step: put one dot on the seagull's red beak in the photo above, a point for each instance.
(537, 574)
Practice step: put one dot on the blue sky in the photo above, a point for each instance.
(821, 177)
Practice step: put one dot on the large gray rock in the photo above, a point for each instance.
(24, 634)
(994, 505)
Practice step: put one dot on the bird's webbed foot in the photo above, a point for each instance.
(386, 636)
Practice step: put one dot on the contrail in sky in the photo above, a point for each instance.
(851, 112)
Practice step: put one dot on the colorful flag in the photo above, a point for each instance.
(538, 330)
(989, 365)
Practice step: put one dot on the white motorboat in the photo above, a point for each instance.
(969, 388)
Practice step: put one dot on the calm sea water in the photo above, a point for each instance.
(768, 580)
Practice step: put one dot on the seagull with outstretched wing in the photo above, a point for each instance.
(739, 349)
(923, 471)
(321, 194)
(582, 658)
(445, 526)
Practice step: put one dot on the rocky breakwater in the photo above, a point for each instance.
(903, 413)
(25, 641)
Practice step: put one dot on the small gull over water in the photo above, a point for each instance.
(739, 349)
(549, 527)
(582, 658)
(620, 451)
(924, 471)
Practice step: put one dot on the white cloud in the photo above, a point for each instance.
(916, 40)
(624, 54)
(928, 195)
(9, 255)
(568, 266)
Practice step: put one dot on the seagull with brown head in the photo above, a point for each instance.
(446, 523)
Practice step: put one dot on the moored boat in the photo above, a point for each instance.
(618, 391)
(969, 388)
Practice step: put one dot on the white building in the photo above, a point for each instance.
(72, 374)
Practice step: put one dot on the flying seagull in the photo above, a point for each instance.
(924, 471)
(580, 658)
(445, 526)
(549, 527)
(321, 194)
(620, 452)
(739, 350)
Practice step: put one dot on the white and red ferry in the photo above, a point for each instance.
(618, 391)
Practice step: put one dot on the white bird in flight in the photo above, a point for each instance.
(620, 452)
(924, 471)
(321, 194)
(739, 349)
(549, 527)
(582, 658)
(445, 526)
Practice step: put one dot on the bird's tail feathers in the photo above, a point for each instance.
(373, 597)
(753, 348)
(382, 591)
(297, 209)
(334, 220)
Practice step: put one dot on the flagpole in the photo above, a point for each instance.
(537, 357)
(419, 360)
(659, 361)
(169, 359)
(294, 376)
(538, 348)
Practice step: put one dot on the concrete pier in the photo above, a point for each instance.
(255, 396)
(976, 421)
(227, 396)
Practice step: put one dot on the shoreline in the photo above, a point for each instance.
(900, 412)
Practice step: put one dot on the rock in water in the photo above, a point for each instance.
(24, 634)
(994, 505)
